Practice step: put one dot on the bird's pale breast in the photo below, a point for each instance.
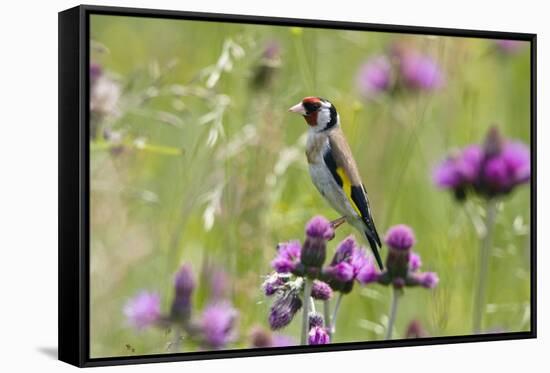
(329, 189)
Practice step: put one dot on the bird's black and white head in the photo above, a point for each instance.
(320, 114)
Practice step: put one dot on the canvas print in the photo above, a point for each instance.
(257, 186)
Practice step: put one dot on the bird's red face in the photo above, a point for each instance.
(317, 112)
(309, 108)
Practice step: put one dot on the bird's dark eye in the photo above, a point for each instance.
(311, 106)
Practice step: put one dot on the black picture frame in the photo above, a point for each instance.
(74, 184)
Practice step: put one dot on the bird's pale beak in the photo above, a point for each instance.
(298, 109)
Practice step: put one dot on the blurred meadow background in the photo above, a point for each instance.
(195, 159)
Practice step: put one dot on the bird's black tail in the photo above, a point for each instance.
(374, 245)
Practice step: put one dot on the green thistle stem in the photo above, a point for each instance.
(326, 314)
(175, 345)
(484, 256)
(308, 284)
(335, 314)
(393, 312)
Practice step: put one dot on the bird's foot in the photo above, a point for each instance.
(338, 222)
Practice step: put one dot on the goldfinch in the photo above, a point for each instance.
(333, 169)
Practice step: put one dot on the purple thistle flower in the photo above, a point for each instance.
(368, 273)
(283, 309)
(143, 310)
(493, 143)
(266, 69)
(399, 282)
(359, 260)
(415, 330)
(272, 284)
(281, 340)
(272, 51)
(342, 272)
(420, 71)
(184, 284)
(184, 281)
(95, 70)
(315, 320)
(400, 237)
(321, 290)
(314, 253)
(340, 268)
(288, 257)
(402, 264)
(261, 337)
(270, 289)
(495, 168)
(314, 250)
(318, 336)
(517, 158)
(348, 264)
(506, 170)
(219, 282)
(345, 250)
(319, 227)
(446, 175)
(374, 76)
(217, 324)
(459, 170)
(104, 93)
(469, 163)
(414, 262)
(495, 175)
(429, 280)
(509, 46)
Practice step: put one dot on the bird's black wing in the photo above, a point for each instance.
(357, 196)
(361, 201)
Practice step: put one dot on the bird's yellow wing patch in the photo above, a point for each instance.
(341, 178)
(346, 186)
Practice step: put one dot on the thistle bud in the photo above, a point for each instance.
(428, 280)
(314, 251)
(400, 239)
(316, 319)
(266, 69)
(494, 142)
(184, 285)
(321, 290)
(345, 250)
(260, 337)
(318, 336)
(283, 309)
(398, 283)
(415, 330)
(319, 227)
